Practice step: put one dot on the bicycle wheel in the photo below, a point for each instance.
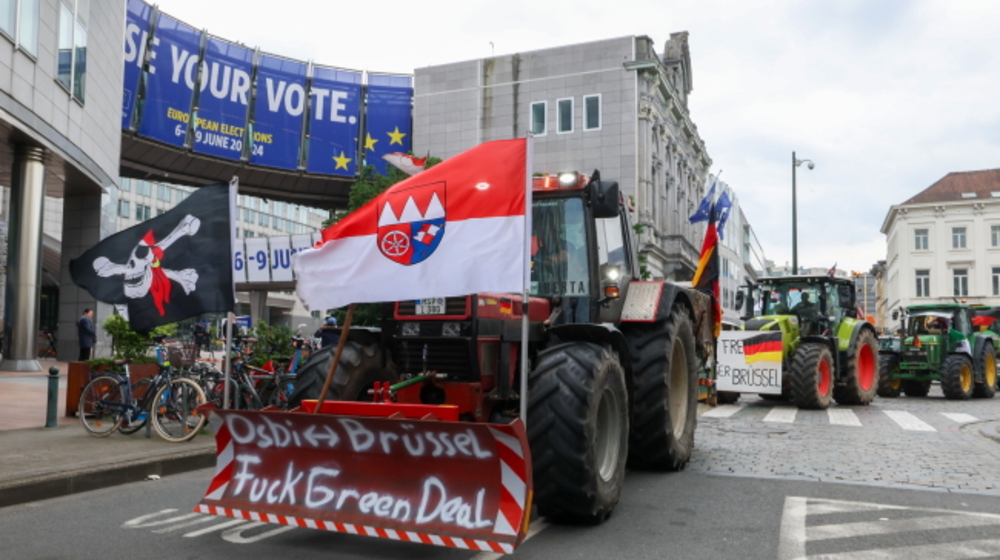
(101, 404)
(173, 410)
(139, 391)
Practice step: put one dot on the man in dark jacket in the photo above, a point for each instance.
(86, 333)
(328, 334)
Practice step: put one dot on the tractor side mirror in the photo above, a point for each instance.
(604, 199)
(895, 314)
(740, 299)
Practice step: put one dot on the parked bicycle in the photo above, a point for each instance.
(111, 402)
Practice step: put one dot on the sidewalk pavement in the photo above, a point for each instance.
(39, 463)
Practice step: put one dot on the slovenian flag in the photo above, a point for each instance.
(457, 228)
(764, 347)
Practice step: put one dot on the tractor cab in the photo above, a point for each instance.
(814, 303)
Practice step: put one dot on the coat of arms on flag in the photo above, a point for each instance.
(411, 223)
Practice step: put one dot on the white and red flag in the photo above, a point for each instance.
(457, 228)
(406, 163)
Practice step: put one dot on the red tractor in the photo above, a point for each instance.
(613, 373)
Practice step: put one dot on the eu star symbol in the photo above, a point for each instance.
(342, 161)
(396, 136)
(370, 142)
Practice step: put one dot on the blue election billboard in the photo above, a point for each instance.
(387, 118)
(136, 32)
(170, 81)
(223, 99)
(278, 112)
(334, 125)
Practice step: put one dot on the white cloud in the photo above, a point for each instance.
(886, 97)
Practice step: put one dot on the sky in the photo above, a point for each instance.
(885, 97)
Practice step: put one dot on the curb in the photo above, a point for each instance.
(991, 430)
(94, 479)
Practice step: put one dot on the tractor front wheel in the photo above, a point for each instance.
(913, 388)
(861, 373)
(578, 431)
(360, 367)
(957, 378)
(812, 375)
(987, 365)
(888, 367)
(665, 396)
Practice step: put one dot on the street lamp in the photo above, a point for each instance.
(795, 227)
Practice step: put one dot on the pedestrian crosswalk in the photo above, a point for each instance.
(843, 530)
(840, 416)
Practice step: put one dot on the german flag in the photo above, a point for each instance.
(764, 347)
(706, 277)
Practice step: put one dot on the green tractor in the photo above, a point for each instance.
(939, 342)
(827, 353)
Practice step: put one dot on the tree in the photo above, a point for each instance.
(369, 185)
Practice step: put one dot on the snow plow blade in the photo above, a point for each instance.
(446, 483)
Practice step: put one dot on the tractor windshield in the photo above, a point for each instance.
(559, 249)
(791, 299)
(929, 323)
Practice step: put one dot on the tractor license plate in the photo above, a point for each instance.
(430, 306)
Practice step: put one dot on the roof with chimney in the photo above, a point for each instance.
(961, 185)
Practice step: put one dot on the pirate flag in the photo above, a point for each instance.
(168, 268)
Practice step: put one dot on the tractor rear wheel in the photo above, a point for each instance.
(812, 375)
(360, 367)
(578, 431)
(957, 377)
(887, 386)
(665, 394)
(913, 388)
(861, 372)
(986, 363)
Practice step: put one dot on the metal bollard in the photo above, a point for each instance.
(50, 411)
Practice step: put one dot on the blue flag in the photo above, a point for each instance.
(704, 208)
(722, 209)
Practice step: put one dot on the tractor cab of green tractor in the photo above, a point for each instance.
(815, 304)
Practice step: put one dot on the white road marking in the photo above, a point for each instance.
(235, 535)
(795, 533)
(909, 422)
(783, 414)
(723, 411)
(959, 417)
(843, 417)
(143, 521)
(847, 530)
(536, 527)
(216, 527)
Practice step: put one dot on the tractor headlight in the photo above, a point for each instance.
(411, 329)
(568, 180)
(451, 329)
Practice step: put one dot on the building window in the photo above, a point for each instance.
(538, 118)
(123, 209)
(592, 112)
(163, 192)
(995, 236)
(920, 239)
(143, 188)
(142, 212)
(262, 220)
(958, 238)
(961, 282)
(564, 110)
(248, 233)
(160, 211)
(996, 281)
(72, 56)
(923, 283)
(126, 184)
(19, 21)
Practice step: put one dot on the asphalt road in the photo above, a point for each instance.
(906, 478)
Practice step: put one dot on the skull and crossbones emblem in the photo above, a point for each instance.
(144, 274)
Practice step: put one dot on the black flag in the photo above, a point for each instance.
(169, 268)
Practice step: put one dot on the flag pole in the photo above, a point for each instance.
(525, 290)
(234, 185)
(336, 359)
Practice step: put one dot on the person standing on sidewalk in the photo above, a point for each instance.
(86, 334)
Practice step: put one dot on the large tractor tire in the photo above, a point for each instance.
(957, 378)
(665, 394)
(360, 367)
(913, 388)
(861, 371)
(812, 376)
(887, 386)
(578, 431)
(986, 364)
